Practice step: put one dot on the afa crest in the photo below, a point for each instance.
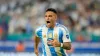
(50, 35)
(55, 35)
(67, 36)
(44, 36)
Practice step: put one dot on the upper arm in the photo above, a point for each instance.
(38, 33)
(66, 36)
(36, 39)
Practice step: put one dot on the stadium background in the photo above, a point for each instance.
(20, 18)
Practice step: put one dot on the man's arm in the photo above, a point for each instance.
(36, 43)
(66, 39)
(67, 45)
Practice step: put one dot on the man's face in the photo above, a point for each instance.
(50, 18)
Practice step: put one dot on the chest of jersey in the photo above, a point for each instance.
(50, 34)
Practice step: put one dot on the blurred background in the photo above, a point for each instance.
(20, 18)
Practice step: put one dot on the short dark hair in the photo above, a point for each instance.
(51, 9)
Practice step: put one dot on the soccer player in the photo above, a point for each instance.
(54, 37)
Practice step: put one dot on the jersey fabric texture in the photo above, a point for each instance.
(59, 32)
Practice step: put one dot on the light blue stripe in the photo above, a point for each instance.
(65, 28)
(61, 41)
(39, 33)
(62, 51)
(43, 47)
(52, 49)
(60, 35)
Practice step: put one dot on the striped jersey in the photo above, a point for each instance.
(59, 32)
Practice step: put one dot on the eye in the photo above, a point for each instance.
(45, 15)
(50, 15)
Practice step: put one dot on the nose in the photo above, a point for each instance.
(47, 18)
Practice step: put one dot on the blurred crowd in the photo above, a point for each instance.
(20, 18)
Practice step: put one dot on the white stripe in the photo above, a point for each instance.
(37, 31)
(65, 52)
(64, 35)
(56, 31)
(44, 32)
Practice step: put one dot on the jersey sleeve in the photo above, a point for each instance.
(38, 32)
(66, 36)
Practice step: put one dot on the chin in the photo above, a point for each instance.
(49, 25)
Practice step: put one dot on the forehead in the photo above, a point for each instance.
(50, 13)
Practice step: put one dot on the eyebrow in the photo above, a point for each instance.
(50, 15)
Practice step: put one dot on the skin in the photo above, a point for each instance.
(36, 42)
(51, 17)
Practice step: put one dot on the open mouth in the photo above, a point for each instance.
(48, 21)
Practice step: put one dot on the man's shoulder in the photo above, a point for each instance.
(40, 27)
(62, 27)
(38, 31)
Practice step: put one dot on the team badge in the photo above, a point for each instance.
(44, 36)
(67, 36)
(55, 35)
(50, 35)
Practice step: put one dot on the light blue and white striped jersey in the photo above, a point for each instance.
(59, 32)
